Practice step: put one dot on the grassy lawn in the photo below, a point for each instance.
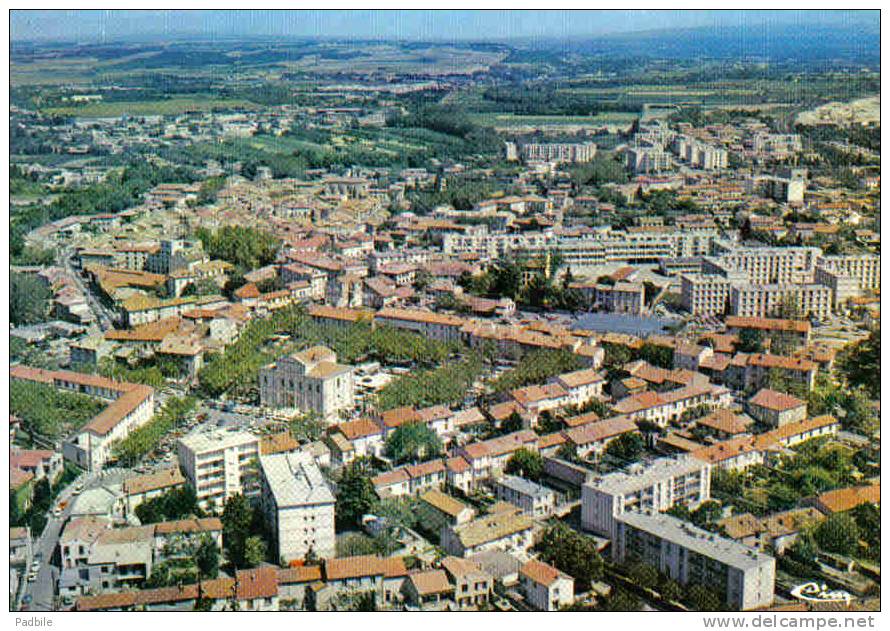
(149, 108)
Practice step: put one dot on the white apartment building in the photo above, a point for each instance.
(699, 154)
(535, 500)
(494, 245)
(865, 269)
(704, 294)
(218, 464)
(764, 301)
(298, 504)
(765, 265)
(690, 555)
(656, 486)
(311, 380)
(642, 159)
(551, 152)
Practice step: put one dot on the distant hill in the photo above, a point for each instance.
(856, 43)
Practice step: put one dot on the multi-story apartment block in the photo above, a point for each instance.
(174, 254)
(298, 504)
(699, 154)
(703, 294)
(657, 486)
(744, 576)
(849, 276)
(648, 159)
(763, 301)
(219, 464)
(551, 152)
(764, 265)
(310, 381)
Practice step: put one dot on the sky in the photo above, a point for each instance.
(114, 25)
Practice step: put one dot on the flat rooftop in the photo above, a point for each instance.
(295, 480)
(640, 476)
(216, 439)
(700, 541)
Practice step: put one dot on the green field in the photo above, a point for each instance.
(500, 119)
(166, 107)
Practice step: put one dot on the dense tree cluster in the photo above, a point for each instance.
(447, 384)
(536, 367)
(413, 442)
(172, 505)
(28, 299)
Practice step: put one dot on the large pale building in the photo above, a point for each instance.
(309, 381)
(743, 576)
(657, 486)
(219, 464)
(551, 152)
(764, 301)
(298, 505)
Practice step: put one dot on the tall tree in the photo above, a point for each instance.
(236, 518)
(526, 463)
(207, 557)
(355, 494)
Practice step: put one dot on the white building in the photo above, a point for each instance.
(545, 587)
(689, 555)
(218, 464)
(657, 486)
(310, 381)
(535, 500)
(298, 504)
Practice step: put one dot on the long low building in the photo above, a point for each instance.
(744, 576)
(131, 406)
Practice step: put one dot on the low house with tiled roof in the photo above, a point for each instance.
(395, 483)
(662, 408)
(257, 589)
(535, 399)
(472, 585)
(436, 326)
(364, 436)
(546, 588)
(292, 585)
(722, 424)
(796, 330)
(437, 510)
(150, 485)
(360, 574)
(581, 385)
(41, 463)
(792, 434)
(776, 408)
(842, 500)
(748, 372)
(735, 454)
(591, 439)
(488, 458)
(459, 474)
(428, 590)
(510, 531)
(173, 538)
(776, 531)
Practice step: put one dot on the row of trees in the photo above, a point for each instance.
(536, 367)
(146, 438)
(448, 383)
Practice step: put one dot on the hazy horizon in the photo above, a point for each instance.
(97, 26)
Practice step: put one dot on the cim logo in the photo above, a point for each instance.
(814, 592)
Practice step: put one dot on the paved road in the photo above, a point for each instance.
(103, 316)
(43, 589)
